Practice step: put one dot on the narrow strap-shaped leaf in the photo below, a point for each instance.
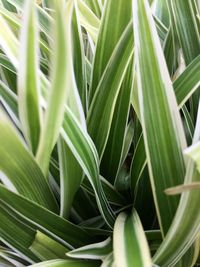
(184, 86)
(110, 31)
(44, 18)
(71, 172)
(186, 27)
(171, 50)
(5, 62)
(28, 91)
(113, 196)
(25, 175)
(94, 6)
(159, 113)
(15, 22)
(108, 261)
(66, 263)
(127, 141)
(88, 20)
(161, 12)
(70, 177)
(16, 234)
(129, 241)
(188, 125)
(194, 153)
(85, 152)
(161, 29)
(45, 248)
(138, 163)
(188, 34)
(58, 91)
(47, 222)
(96, 251)
(102, 107)
(187, 218)
(189, 80)
(79, 59)
(67, 133)
(114, 146)
(10, 99)
(9, 42)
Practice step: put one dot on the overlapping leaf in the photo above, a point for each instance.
(161, 122)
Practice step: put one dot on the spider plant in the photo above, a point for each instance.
(99, 133)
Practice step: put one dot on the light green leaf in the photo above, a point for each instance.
(25, 175)
(28, 84)
(84, 150)
(194, 153)
(70, 177)
(188, 82)
(109, 34)
(39, 218)
(79, 59)
(94, 6)
(129, 241)
(96, 251)
(88, 19)
(46, 248)
(186, 28)
(66, 263)
(102, 107)
(16, 234)
(71, 124)
(44, 19)
(177, 242)
(160, 117)
(161, 11)
(57, 98)
(138, 163)
(113, 151)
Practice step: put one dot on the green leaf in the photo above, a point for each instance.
(108, 37)
(70, 125)
(63, 231)
(88, 19)
(177, 242)
(25, 175)
(129, 241)
(94, 6)
(9, 99)
(70, 177)
(113, 196)
(28, 84)
(108, 261)
(161, 12)
(85, 152)
(16, 234)
(46, 248)
(194, 153)
(188, 82)
(57, 98)
(15, 23)
(186, 28)
(9, 42)
(79, 59)
(96, 251)
(188, 34)
(44, 19)
(160, 117)
(66, 263)
(138, 163)
(113, 151)
(104, 101)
